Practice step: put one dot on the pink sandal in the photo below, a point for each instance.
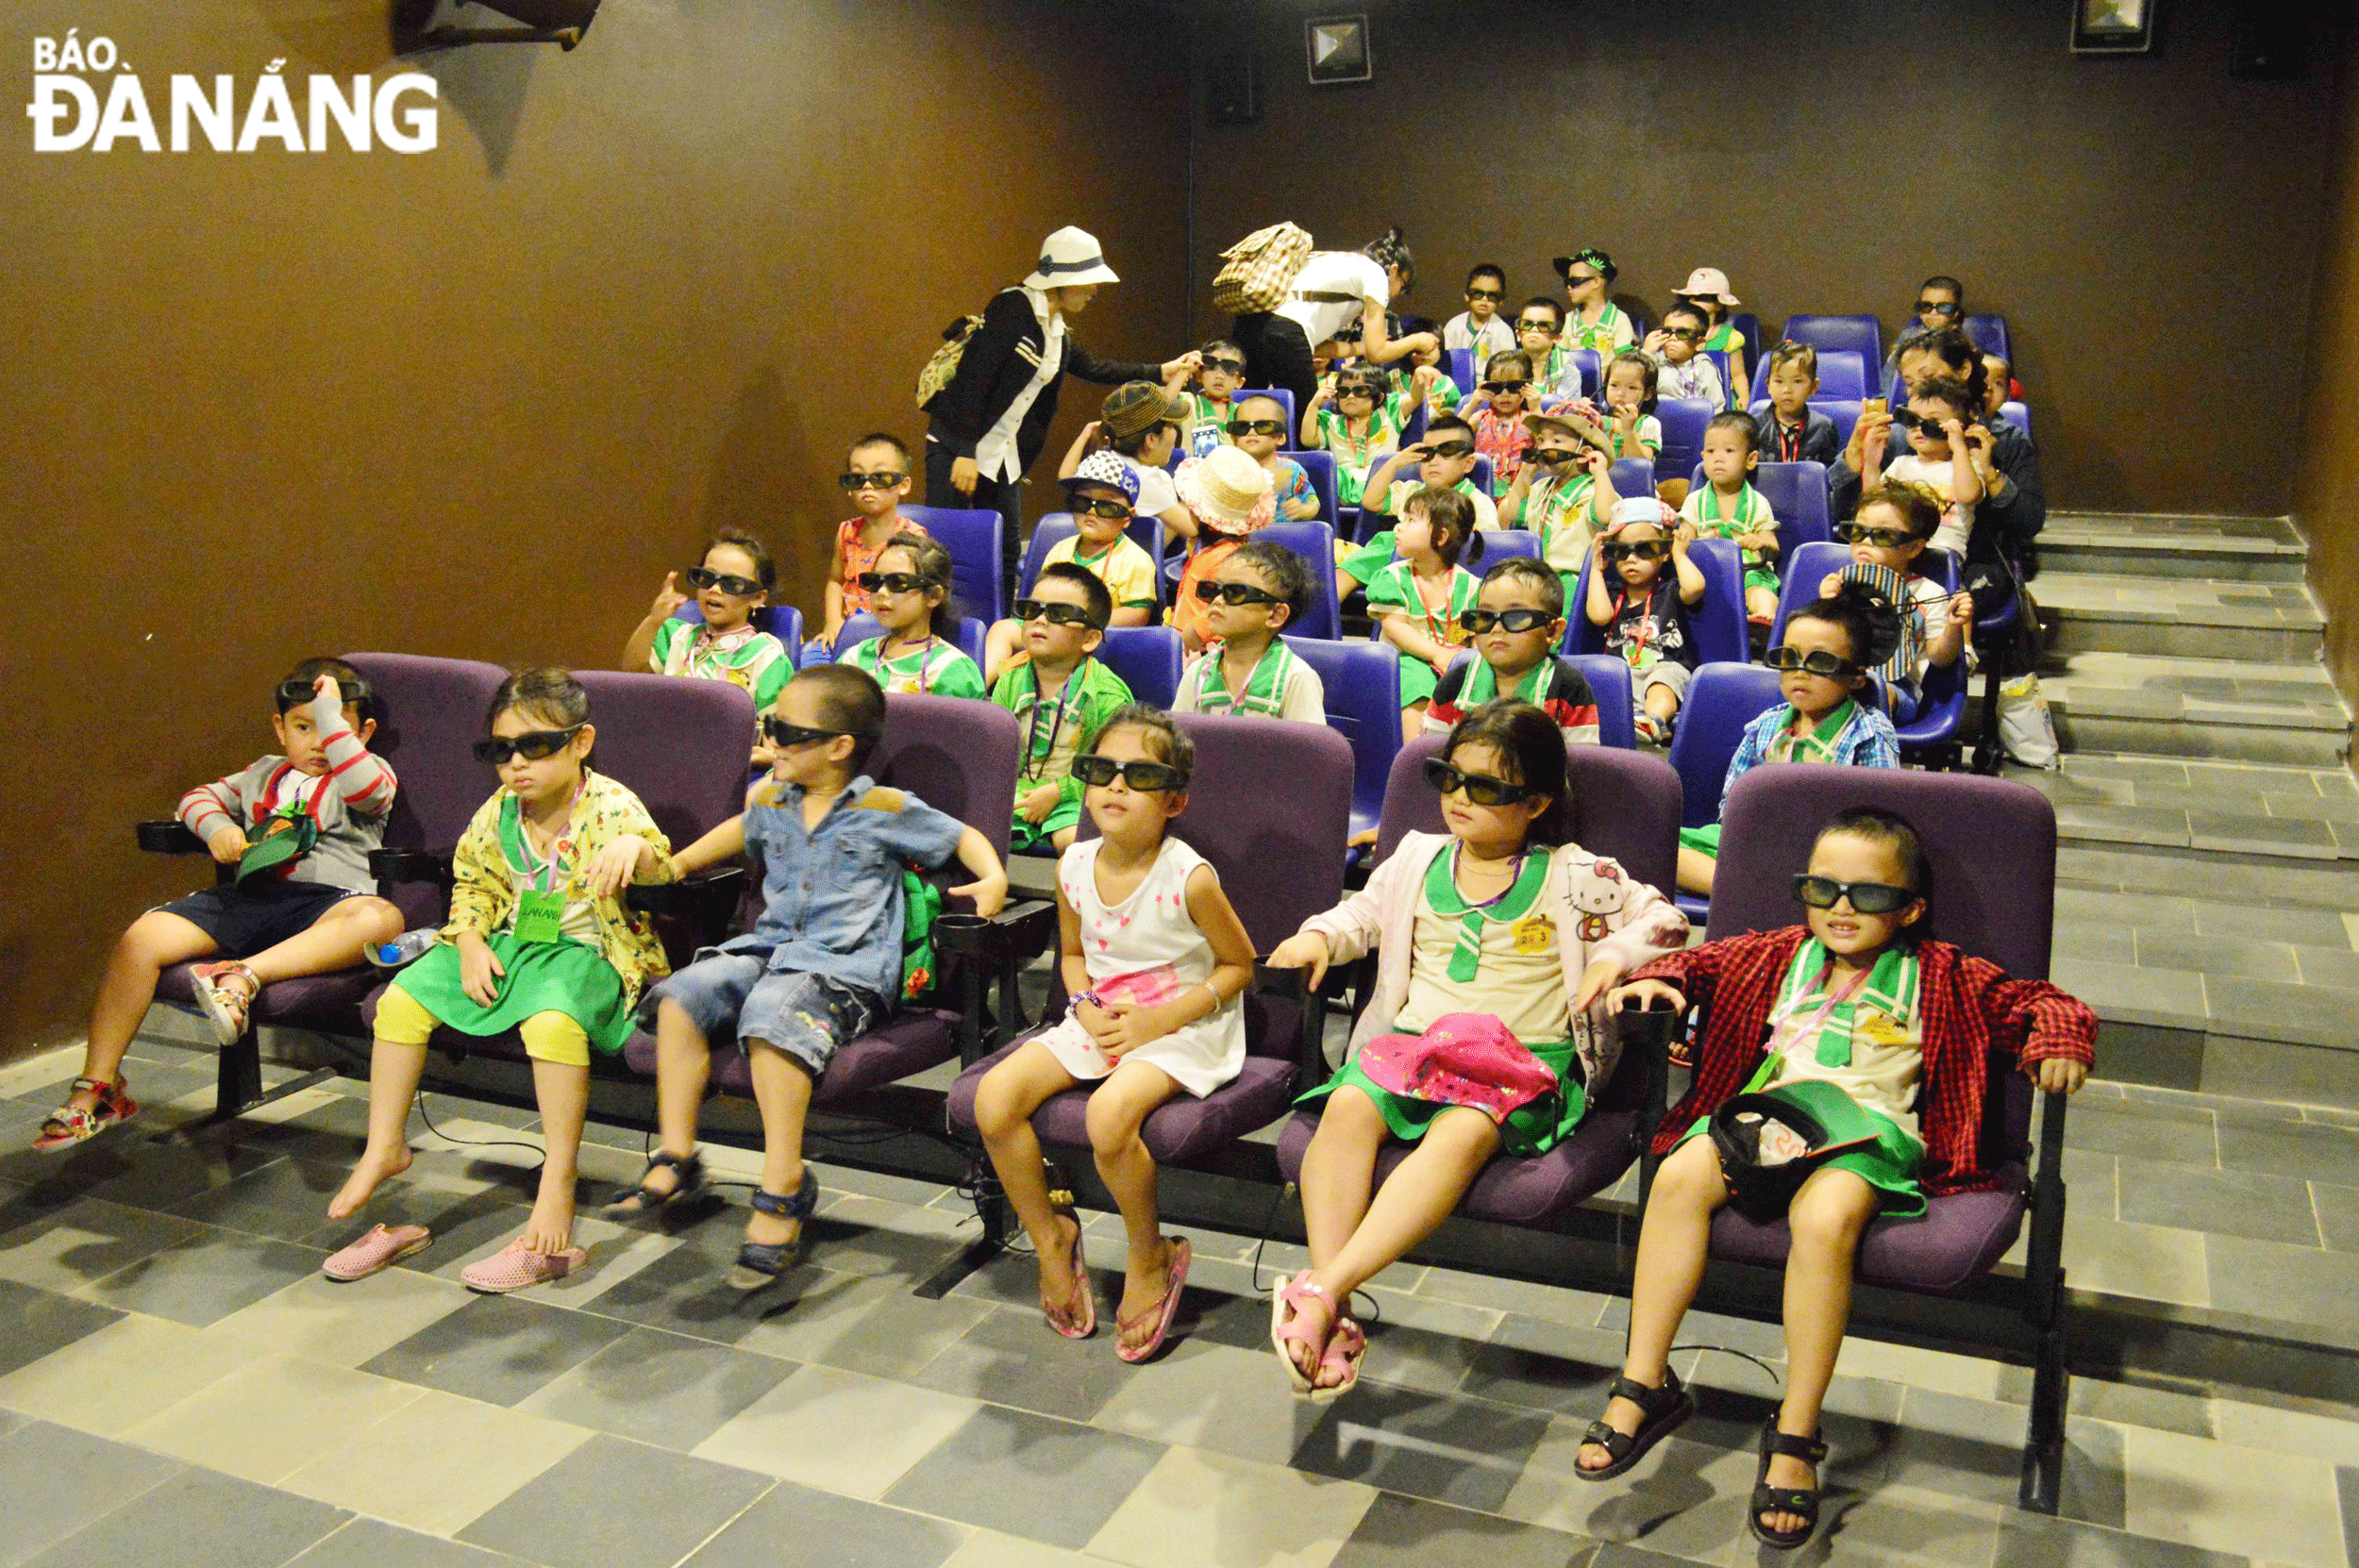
(1285, 1325)
(380, 1249)
(71, 1123)
(1074, 1319)
(1346, 1346)
(225, 992)
(516, 1268)
(1166, 1308)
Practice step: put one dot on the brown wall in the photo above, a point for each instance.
(2147, 225)
(473, 401)
(2326, 489)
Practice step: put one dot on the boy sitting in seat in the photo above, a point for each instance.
(1258, 590)
(1060, 693)
(1883, 1038)
(1444, 458)
(1517, 625)
(1101, 492)
(299, 824)
(822, 965)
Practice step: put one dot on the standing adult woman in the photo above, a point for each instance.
(989, 423)
(1335, 291)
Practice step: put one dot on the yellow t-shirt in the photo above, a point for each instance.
(1125, 569)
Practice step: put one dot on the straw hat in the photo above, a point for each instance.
(1227, 488)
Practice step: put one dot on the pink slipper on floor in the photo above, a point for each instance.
(1166, 1308)
(379, 1249)
(514, 1268)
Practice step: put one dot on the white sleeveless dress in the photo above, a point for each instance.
(1146, 949)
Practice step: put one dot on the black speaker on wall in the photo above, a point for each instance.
(2271, 43)
(1232, 93)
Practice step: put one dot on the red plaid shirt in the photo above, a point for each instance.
(1967, 1008)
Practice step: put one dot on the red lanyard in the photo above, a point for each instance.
(1787, 1029)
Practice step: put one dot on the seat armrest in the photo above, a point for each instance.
(393, 867)
(1648, 1031)
(1292, 986)
(168, 837)
(689, 894)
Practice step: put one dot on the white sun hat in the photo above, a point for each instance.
(1070, 257)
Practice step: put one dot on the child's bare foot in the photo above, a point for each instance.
(1316, 1319)
(550, 1225)
(1056, 1262)
(372, 1170)
(1143, 1288)
(1625, 1417)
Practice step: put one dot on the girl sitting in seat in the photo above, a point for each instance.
(539, 942)
(1153, 961)
(908, 592)
(1495, 943)
(1882, 1039)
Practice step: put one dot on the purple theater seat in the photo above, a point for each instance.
(430, 710)
(1990, 846)
(1626, 806)
(958, 755)
(1279, 864)
(1719, 622)
(1361, 681)
(1314, 542)
(974, 538)
(1510, 1191)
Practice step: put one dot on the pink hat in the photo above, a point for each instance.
(1709, 283)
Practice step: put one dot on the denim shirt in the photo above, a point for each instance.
(831, 896)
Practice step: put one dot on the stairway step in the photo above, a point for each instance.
(2273, 721)
(2120, 614)
(2171, 526)
(2221, 557)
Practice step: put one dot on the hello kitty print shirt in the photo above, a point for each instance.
(1147, 950)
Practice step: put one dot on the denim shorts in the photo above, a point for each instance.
(806, 1016)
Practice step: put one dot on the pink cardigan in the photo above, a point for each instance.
(1600, 910)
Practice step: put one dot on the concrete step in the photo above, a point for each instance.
(2223, 708)
(2109, 612)
(2224, 548)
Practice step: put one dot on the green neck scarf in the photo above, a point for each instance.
(1265, 693)
(1816, 746)
(1891, 989)
(1441, 892)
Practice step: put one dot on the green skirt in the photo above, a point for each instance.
(570, 977)
(1889, 1164)
(1532, 1129)
(1703, 841)
(1418, 681)
(1024, 835)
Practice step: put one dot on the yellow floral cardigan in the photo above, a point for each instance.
(483, 892)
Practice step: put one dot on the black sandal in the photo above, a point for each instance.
(1665, 1410)
(1779, 1499)
(760, 1263)
(644, 1199)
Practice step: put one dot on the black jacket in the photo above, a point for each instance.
(1818, 443)
(998, 363)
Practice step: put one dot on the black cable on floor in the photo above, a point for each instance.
(477, 1142)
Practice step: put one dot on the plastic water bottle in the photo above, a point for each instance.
(403, 948)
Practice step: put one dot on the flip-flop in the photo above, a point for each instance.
(514, 1268)
(1167, 1307)
(1078, 1318)
(380, 1249)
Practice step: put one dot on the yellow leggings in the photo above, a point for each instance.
(548, 1036)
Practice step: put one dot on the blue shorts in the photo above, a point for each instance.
(243, 920)
(805, 1016)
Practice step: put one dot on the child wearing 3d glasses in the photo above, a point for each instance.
(299, 824)
(1839, 1076)
(821, 964)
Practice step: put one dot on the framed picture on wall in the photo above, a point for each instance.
(2113, 26)
(1337, 49)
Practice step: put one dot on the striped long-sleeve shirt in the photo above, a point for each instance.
(349, 803)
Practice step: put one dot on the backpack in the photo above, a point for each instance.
(944, 365)
(1258, 271)
(922, 904)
